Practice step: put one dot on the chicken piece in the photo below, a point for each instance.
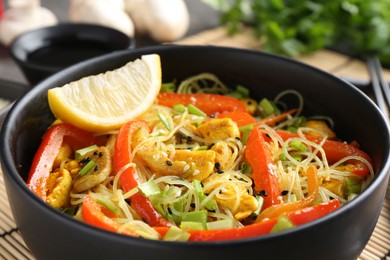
(103, 160)
(335, 186)
(64, 153)
(58, 187)
(192, 165)
(219, 129)
(228, 196)
(322, 127)
(222, 155)
(201, 163)
(73, 167)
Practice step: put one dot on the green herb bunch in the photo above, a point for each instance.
(292, 27)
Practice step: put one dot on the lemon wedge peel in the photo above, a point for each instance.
(104, 102)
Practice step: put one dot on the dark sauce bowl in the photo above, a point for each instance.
(342, 234)
(42, 52)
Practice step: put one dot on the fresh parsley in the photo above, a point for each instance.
(291, 27)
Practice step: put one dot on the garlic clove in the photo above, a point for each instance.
(102, 12)
(25, 15)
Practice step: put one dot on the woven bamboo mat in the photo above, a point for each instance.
(13, 247)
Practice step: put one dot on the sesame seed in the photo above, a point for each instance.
(285, 192)
(263, 193)
(169, 163)
(217, 165)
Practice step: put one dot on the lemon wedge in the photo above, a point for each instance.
(106, 101)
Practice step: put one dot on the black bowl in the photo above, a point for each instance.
(42, 52)
(342, 234)
(10, 91)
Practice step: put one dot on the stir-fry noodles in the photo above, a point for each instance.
(207, 162)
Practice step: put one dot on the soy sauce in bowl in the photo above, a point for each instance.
(42, 52)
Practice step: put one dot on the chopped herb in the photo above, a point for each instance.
(168, 87)
(149, 188)
(246, 131)
(179, 108)
(81, 152)
(176, 234)
(283, 223)
(165, 122)
(195, 111)
(87, 168)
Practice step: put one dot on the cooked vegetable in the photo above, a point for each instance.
(48, 150)
(199, 167)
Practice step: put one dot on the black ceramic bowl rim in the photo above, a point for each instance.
(7, 159)
(21, 46)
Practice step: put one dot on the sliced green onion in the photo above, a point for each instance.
(81, 152)
(221, 224)
(108, 204)
(190, 225)
(202, 148)
(244, 91)
(283, 223)
(195, 216)
(292, 129)
(352, 185)
(87, 168)
(164, 121)
(168, 87)
(260, 201)
(176, 234)
(246, 131)
(179, 108)
(71, 211)
(268, 107)
(211, 204)
(293, 198)
(235, 94)
(195, 111)
(149, 188)
(298, 145)
(246, 168)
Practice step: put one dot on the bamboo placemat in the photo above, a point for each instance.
(13, 247)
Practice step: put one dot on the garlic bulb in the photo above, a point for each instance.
(23, 16)
(108, 13)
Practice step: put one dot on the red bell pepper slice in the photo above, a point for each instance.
(298, 217)
(48, 150)
(275, 211)
(208, 103)
(336, 151)
(259, 157)
(94, 214)
(129, 178)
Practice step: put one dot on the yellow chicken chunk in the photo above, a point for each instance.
(64, 153)
(228, 197)
(322, 127)
(201, 163)
(222, 155)
(188, 164)
(58, 188)
(219, 129)
(335, 186)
